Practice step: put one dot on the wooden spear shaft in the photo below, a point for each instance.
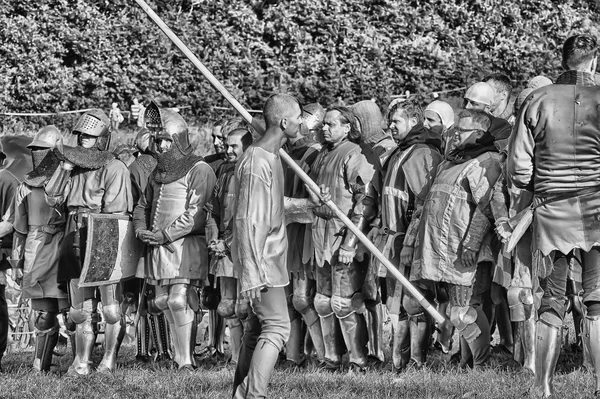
(290, 162)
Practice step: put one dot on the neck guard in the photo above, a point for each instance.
(88, 158)
(147, 162)
(173, 165)
(44, 170)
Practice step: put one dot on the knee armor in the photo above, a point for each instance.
(464, 318)
(226, 308)
(520, 303)
(45, 320)
(344, 307)
(161, 301)
(112, 314)
(80, 315)
(323, 305)
(242, 309)
(302, 303)
(177, 302)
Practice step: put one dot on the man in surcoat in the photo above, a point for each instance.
(90, 181)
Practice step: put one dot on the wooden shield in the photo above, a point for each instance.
(112, 252)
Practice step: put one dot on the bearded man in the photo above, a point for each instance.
(554, 153)
(218, 230)
(453, 250)
(438, 117)
(170, 218)
(408, 176)
(341, 267)
(90, 181)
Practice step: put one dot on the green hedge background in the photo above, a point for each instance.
(60, 55)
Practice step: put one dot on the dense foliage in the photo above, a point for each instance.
(71, 54)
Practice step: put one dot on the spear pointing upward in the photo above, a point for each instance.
(288, 160)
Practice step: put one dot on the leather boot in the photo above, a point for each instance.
(591, 339)
(420, 330)
(254, 385)
(84, 344)
(311, 319)
(374, 320)
(113, 337)
(216, 327)
(480, 346)
(45, 341)
(518, 353)
(401, 345)
(294, 348)
(354, 331)
(330, 329)
(236, 331)
(547, 350)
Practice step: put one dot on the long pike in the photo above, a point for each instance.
(288, 160)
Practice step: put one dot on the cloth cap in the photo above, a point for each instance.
(538, 81)
(480, 92)
(444, 110)
(370, 118)
(521, 98)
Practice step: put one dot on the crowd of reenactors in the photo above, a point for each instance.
(492, 211)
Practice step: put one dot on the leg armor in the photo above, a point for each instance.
(158, 325)
(374, 319)
(294, 348)
(46, 337)
(304, 303)
(330, 329)
(420, 329)
(547, 350)
(591, 340)
(349, 312)
(226, 309)
(84, 338)
(183, 318)
(216, 332)
(143, 339)
(115, 326)
(471, 322)
(401, 346)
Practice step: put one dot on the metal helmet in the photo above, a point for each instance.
(94, 123)
(480, 92)
(142, 140)
(167, 124)
(313, 115)
(48, 137)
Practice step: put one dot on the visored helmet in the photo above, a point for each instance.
(166, 124)
(48, 137)
(94, 123)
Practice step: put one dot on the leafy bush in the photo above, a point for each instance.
(71, 54)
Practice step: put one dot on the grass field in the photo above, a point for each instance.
(439, 379)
